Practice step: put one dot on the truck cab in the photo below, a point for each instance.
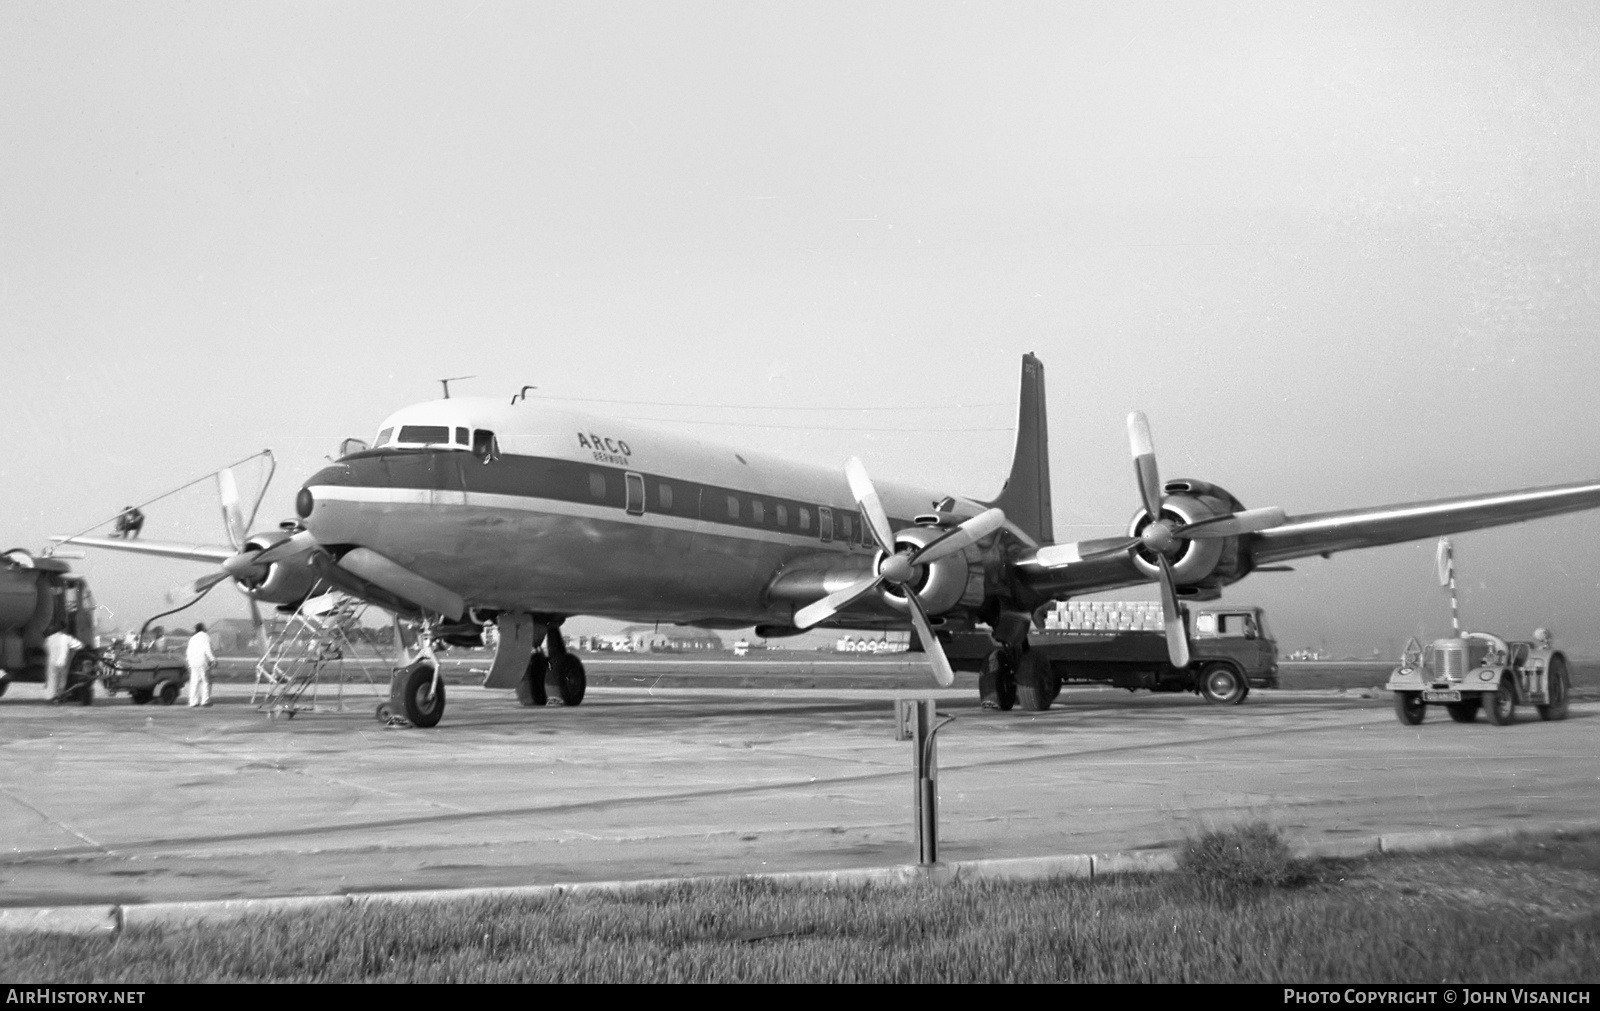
(1239, 634)
(38, 597)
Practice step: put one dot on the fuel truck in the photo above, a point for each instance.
(39, 597)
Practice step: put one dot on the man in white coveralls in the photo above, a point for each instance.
(201, 660)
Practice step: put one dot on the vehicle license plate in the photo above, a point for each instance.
(1441, 696)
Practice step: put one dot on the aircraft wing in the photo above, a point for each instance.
(1344, 530)
(190, 552)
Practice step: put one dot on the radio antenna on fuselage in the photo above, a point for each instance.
(446, 384)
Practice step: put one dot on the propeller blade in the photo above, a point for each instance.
(257, 626)
(1120, 548)
(232, 515)
(969, 532)
(827, 607)
(188, 593)
(1144, 463)
(300, 543)
(1172, 617)
(942, 672)
(866, 497)
(1246, 521)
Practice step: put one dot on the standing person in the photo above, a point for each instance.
(59, 647)
(201, 660)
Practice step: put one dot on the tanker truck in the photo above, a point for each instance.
(39, 597)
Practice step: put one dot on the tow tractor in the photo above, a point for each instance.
(1473, 671)
(1479, 671)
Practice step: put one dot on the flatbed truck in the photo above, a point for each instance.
(1122, 644)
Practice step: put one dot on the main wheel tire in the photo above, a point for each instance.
(997, 682)
(1037, 684)
(140, 696)
(1556, 687)
(567, 671)
(1409, 708)
(167, 693)
(530, 690)
(422, 700)
(1465, 711)
(1500, 707)
(1222, 684)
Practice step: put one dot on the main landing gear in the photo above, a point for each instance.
(554, 679)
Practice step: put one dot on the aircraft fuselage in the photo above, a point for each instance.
(560, 512)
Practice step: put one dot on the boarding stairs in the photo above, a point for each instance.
(322, 649)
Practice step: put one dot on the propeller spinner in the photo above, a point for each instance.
(900, 567)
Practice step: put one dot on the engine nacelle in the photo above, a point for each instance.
(941, 585)
(1190, 501)
(287, 582)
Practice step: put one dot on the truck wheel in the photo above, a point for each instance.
(1222, 684)
(4, 684)
(1037, 685)
(997, 682)
(422, 701)
(1501, 706)
(167, 693)
(1410, 708)
(1556, 687)
(530, 690)
(574, 682)
(140, 696)
(1465, 711)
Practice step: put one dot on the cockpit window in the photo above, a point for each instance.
(484, 445)
(426, 435)
(383, 438)
(461, 435)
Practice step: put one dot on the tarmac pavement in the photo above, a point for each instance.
(117, 803)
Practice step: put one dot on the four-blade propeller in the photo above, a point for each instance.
(1164, 535)
(900, 567)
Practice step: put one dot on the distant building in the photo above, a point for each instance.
(671, 639)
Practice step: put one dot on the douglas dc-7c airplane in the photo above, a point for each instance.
(471, 511)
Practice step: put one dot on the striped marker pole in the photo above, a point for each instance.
(1446, 560)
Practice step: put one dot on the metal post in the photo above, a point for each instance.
(916, 720)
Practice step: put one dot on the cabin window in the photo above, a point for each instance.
(635, 486)
(664, 497)
(597, 485)
(383, 438)
(782, 515)
(733, 508)
(805, 519)
(758, 511)
(847, 529)
(825, 522)
(485, 446)
(427, 435)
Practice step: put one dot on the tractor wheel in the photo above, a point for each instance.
(1410, 708)
(1037, 684)
(167, 693)
(530, 690)
(1464, 711)
(997, 682)
(1222, 684)
(567, 671)
(140, 696)
(1501, 706)
(1556, 688)
(422, 700)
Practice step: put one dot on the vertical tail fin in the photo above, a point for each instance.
(1026, 495)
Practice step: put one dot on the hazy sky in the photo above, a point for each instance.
(1342, 254)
